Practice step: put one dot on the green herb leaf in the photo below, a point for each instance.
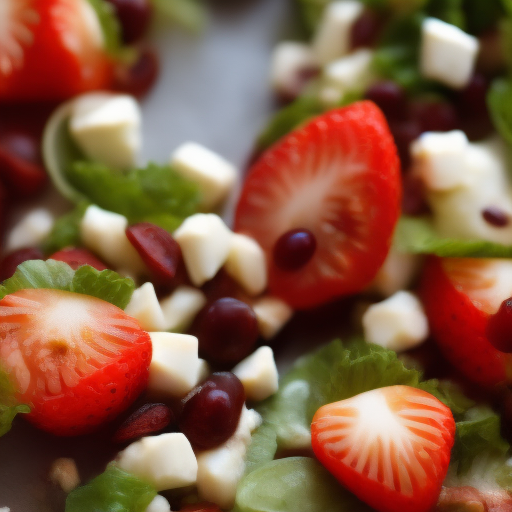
(191, 14)
(110, 26)
(9, 406)
(499, 101)
(112, 491)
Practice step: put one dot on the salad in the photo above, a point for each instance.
(378, 198)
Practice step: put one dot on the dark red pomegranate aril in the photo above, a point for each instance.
(134, 17)
(499, 327)
(11, 261)
(404, 133)
(495, 217)
(75, 258)
(435, 116)
(149, 419)
(413, 197)
(390, 97)
(157, 248)
(366, 30)
(139, 78)
(294, 249)
(212, 411)
(227, 331)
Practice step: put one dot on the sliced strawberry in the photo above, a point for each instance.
(78, 360)
(339, 178)
(390, 446)
(459, 295)
(76, 257)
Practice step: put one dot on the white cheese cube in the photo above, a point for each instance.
(104, 233)
(144, 306)
(181, 307)
(258, 374)
(333, 37)
(247, 264)
(440, 159)
(5, 509)
(214, 175)
(166, 461)
(159, 504)
(448, 54)
(397, 323)
(397, 273)
(107, 128)
(175, 367)
(351, 73)
(272, 314)
(220, 469)
(31, 230)
(290, 60)
(64, 473)
(205, 242)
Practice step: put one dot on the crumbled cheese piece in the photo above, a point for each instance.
(31, 230)
(144, 306)
(272, 314)
(214, 175)
(397, 273)
(205, 243)
(107, 128)
(397, 323)
(258, 374)
(159, 504)
(333, 38)
(181, 307)
(247, 264)
(166, 461)
(64, 473)
(447, 53)
(5, 509)
(351, 73)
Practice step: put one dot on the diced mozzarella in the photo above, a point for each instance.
(64, 473)
(351, 73)
(159, 504)
(214, 175)
(31, 230)
(397, 323)
(107, 128)
(5, 509)
(181, 307)
(144, 306)
(220, 469)
(440, 159)
(205, 242)
(175, 366)
(290, 61)
(333, 36)
(247, 264)
(258, 374)
(448, 54)
(272, 314)
(166, 461)
(397, 273)
(104, 233)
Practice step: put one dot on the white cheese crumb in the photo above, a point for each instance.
(159, 504)
(31, 230)
(351, 73)
(144, 306)
(64, 473)
(397, 273)
(181, 307)
(272, 314)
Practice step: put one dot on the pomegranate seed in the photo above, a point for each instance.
(75, 258)
(10, 262)
(212, 411)
(413, 197)
(157, 248)
(134, 16)
(294, 249)
(495, 217)
(366, 30)
(149, 419)
(435, 116)
(390, 97)
(405, 132)
(227, 331)
(499, 327)
(138, 79)
(203, 506)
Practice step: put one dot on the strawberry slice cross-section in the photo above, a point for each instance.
(77, 360)
(390, 446)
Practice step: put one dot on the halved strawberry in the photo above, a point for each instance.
(78, 360)
(390, 446)
(339, 178)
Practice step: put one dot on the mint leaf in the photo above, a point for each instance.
(416, 235)
(110, 26)
(191, 14)
(112, 491)
(499, 101)
(9, 406)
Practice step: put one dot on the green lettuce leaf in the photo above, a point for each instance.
(450, 394)
(499, 101)
(191, 14)
(262, 449)
(9, 406)
(112, 491)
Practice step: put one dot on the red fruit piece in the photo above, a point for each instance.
(75, 258)
(79, 361)
(338, 177)
(390, 446)
(140, 77)
(134, 16)
(10, 263)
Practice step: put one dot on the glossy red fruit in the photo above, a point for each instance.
(435, 116)
(499, 327)
(76, 257)
(390, 97)
(366, 30)
(147, 420)
(294, 249)
(134, 17)
(11, 261)
(339, 177)
(140, 77)
(78, 360)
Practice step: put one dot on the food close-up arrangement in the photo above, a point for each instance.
(256, 256)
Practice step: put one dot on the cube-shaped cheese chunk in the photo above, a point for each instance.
(448, 54)
(205, 242)
(107, 128)
(159, 504)
(351, 73)
(272, 314)
(144, 306)
(397, 323)
(166, 461)
(30, 230)
(334, 33)
(214, 175)
(104, 233)
(175, 366)
(247, 264)
(258, 374)
(397, 273)
(181, 307)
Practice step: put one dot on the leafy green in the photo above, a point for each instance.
(106, 284)
(450, 11)
(112, 491)
(450, 394)
(9, 406)
(499, 101)
(262, 449)
(110, 26)
(416, 235)
(189, 13)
